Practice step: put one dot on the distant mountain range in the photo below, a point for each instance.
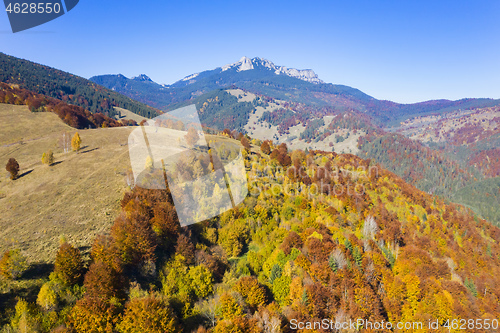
(263, 77)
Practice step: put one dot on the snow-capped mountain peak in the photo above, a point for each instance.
(246, 63)
(190, 77)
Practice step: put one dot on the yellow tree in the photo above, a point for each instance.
(148, 314)
(229, 307)
(47, 297)
(202, 280)
(24, 319)
(76, 142)
(252, 291)
(149, 165)
(93, 315)
(13, 264)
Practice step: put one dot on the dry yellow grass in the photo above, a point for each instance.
(78, 197)
(126, 114)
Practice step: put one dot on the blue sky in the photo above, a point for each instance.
(405, 51)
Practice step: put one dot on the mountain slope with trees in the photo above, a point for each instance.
(356, 242)
(72, 115)
(67, 87)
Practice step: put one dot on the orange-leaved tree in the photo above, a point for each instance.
(69, 264)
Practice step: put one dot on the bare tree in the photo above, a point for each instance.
(370, 228)
(267, 323)
(337, 259)
(208, 309)
(65, 142)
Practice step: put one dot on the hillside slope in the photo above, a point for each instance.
(77, 197)
(298, 125)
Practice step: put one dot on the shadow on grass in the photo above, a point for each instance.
(87, 151)
(25, 173)
(38, 271)
(85, 249)
(56, 163)
(8, 300)
(26, 287)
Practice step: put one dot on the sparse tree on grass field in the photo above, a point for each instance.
(48, 158)
(76, 142)
(13, 168)
(149, 165)
(65, 142)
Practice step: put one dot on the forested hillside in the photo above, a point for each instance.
(320, 235)
(220, 110)
(69, 88)
(439, 168)
(420, 166)
(72, 115)
(437, 171)
(466, 140)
